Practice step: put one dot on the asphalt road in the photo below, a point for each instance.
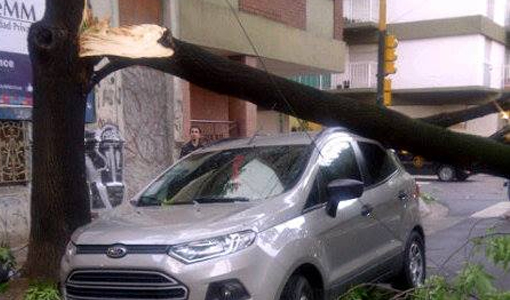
(473, 207)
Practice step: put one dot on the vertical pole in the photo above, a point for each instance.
(380, 52)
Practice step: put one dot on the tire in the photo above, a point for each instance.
(445, 173)
(461, 175)
(413, 271)
(298, 288)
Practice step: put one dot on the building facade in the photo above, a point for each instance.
(451, 55)
(139, 117)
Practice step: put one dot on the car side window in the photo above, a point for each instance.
(336, 161)
(379, 164)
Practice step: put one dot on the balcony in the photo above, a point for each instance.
(361, 12)
(359, 75)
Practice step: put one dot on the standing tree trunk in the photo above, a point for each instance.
(59, 201)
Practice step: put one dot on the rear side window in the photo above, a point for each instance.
(379, 164)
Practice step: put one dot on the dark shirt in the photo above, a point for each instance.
(188, 148)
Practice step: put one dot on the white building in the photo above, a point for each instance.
(451, 54)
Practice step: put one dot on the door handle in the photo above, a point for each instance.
(402, 196)
(366, 210)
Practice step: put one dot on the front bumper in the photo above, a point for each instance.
(252, 267)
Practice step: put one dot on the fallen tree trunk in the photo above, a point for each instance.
(391, 128)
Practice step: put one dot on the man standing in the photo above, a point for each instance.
(194, 143)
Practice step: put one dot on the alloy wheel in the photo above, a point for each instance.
(416, 264)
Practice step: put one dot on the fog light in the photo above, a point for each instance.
(227, 290)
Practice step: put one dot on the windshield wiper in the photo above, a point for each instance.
(220, 200)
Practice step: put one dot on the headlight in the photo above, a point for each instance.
(210, 248)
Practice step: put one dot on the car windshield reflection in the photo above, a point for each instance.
(228, 176)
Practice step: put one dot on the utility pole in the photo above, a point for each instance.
(380, 53)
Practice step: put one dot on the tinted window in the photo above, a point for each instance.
(243, 174)
(378, 162)
(336, 161)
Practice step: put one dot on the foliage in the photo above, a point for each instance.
(497, 250)
(473, 282)
(3, 287)
(435, 287)
(7, 260)
(427, 198)
(42, 291)
(368, 292)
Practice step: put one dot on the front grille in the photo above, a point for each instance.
(131, 249)
(122, 284)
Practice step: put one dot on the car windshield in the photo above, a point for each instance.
(233, 175)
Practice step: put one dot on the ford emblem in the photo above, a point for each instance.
(116, 251)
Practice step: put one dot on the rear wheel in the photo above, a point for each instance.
(413, 271)
(445, 173)
(297, 288)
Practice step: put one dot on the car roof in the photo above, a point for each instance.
(292, 138)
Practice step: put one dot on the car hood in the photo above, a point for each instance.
(182, 223)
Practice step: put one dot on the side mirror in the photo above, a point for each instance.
(342, 189)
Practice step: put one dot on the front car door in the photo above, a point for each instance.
(345, 238)
(385, 194)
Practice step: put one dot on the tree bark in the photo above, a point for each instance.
(391, 128)
(452, 118)
(59, 199)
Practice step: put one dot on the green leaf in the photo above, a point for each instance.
(42, 291)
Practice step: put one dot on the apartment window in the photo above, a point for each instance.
(321, 81)
(13, 152)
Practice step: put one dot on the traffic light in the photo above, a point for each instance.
(387, 92)
(390, 54)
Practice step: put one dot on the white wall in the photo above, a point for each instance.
(440, 62)
(415, 10)
(500, 10)
(363, 53)
(498, 62)
(482, 126)
(422, 111)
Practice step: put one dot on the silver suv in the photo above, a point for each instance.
(300, 216)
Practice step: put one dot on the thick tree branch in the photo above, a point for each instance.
(452, 118)
(224, 76)
(112, 66)
(501, 135)
(396, 130)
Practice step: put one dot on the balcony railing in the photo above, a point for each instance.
(361, 11)
(358, 75)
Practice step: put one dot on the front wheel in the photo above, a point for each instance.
(297, 288)
(414, 269)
